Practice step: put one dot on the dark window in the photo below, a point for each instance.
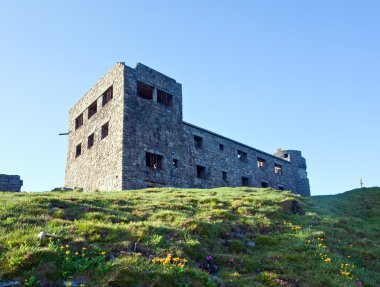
(260, 162)
(281, 187)
(242, 156)
(286, 155)
(78, 150)
(90, 141)
(104, 131)
(92, 109)
(224, 175)
(221, 146)
(107, 96)
(153, 160)
(144, 91)
(79, 121)
(201, 172)
(198, 141)
(164, 98)
(245, 181)
(278, 169)
(175, 163)
(264, 184)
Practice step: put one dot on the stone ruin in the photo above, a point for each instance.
(10, 183)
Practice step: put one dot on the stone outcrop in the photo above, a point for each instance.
(10, 183)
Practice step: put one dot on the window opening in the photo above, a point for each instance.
(224, 175)
(198, 141)
(144, 91)
(153, 160)
(286, 155)
(278, 169)
(242, 156)
(107, 96)
(90, 141)
(264, 184)
(92, 109)
(221, 146)
(164, 98)
(79, 121)
(260, 162)
(104, 131)
(78, 150)
(244, 181)
(201, 172)
(175, 163)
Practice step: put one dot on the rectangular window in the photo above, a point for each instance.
(144, 91)
(164, 98)
(244, 181)
(221, 146)
(153, 160)
(264, 184)
(175, 163)
(92, 109)
(242, 156)
(201, 172)
(278, 169)
(198, 141)
(286, 155)
(224, 175)
(78, 150)
(260, 162)
(90, 141)
(107, 96)
(79, 121)
(104, 131)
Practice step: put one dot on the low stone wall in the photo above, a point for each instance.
(10, 182)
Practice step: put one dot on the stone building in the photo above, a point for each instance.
(127, 132)
(10, 182)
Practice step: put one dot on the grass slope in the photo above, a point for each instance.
(180, 237)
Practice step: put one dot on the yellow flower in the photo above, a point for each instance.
(103, 253)
(67, 246)
(181, 265)
(67, 252)
(348, 256)
(76, 253)
(84, 248)
(62, 247)
(83, 255)
(184, 260)
(327, 259)
(69, 284)
(176, 259)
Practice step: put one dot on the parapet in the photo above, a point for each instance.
(10, 183)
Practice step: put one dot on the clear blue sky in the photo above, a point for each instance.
(293, 74)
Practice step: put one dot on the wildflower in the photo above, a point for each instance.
(359, 283)
(327, 259)
(103, 253)
(84, 248)
(345, 273)
(76, 253)
(67, 246)
(69, 284)
(83, 254)
(231, 260)
(67, 252)
(184, 260)
(62, 247)
(181, 265)
(308, 241)
(209, 257)
(176, 259)
(348, 256)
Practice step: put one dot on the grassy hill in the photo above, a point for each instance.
(180, 237)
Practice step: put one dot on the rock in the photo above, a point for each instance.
(62, 189)
(251, 243)
(10, 284)
(292, 206)
(42, 235)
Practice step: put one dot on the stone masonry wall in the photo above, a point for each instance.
(10, 182)
(144, 125)
(98, 167)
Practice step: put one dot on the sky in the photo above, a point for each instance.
(292, 74)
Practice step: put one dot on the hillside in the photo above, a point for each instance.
(179, 237)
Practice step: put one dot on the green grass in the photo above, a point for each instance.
(187, 237)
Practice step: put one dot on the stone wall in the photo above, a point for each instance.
(144, 125)
(10, 182)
